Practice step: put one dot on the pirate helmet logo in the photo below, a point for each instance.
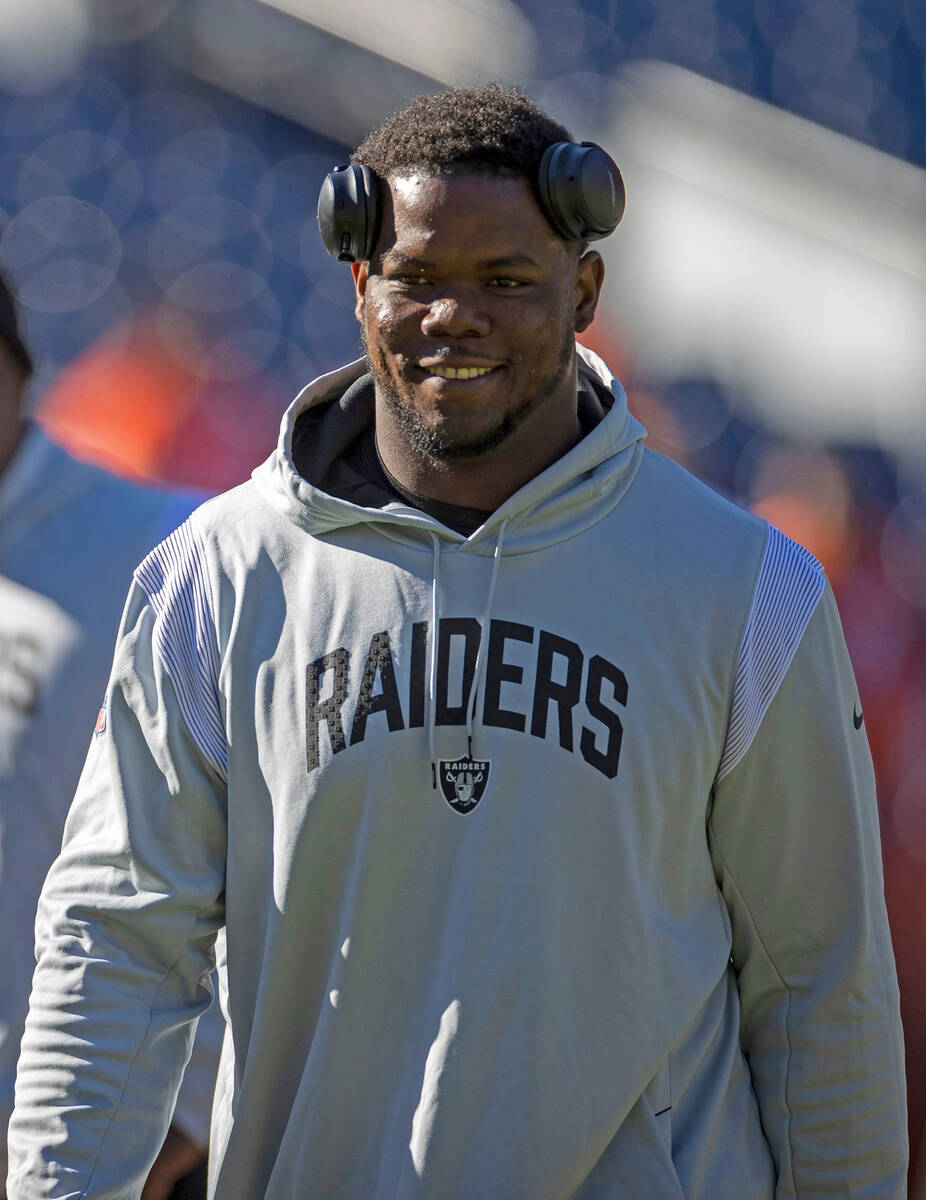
(463, 781)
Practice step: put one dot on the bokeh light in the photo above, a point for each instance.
(63, 253)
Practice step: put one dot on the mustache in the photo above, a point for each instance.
(405, 364)
(451, 350)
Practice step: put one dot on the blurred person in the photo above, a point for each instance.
(70, 535)
(523, 775)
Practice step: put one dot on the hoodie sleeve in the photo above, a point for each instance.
(130, 909)
(193, 1111)
(796, 849)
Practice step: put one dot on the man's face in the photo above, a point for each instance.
(468, 311)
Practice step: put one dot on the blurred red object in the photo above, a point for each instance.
(604, 341)
(127, 404)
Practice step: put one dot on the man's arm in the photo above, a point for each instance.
(193, 1111)
(130, 909)
(186, 1145)
(795, 842)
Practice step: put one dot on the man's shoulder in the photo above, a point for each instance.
(684, 512)
(237, 516)
(680, 487)
(226, 533)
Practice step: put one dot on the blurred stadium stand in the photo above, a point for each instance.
(766, 303)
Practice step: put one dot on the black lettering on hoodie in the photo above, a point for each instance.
(379, 662)
(450, 628)
(599, 672)
(546, 689)
(328, 710)
(418, 667)
(498, 672)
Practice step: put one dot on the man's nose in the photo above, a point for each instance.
(455, 316)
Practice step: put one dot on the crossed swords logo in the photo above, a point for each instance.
(463, 781)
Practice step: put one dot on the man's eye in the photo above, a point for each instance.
(504, 281)
(411, 280)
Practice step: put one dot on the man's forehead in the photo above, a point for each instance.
(499, 213)
(396, 256)
(415, 187)
(460, 172)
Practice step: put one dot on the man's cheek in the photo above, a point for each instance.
(382, 312)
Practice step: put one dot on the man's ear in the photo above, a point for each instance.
(360, 271)
(589, 281)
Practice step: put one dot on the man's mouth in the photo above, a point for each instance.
(445, 372)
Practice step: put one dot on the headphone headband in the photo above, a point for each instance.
(579, 187)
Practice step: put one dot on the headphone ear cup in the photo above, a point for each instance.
(348, 213)
(581, 190)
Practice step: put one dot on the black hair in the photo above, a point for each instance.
(9, 327)
(491, 129)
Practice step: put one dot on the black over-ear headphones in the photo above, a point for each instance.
(579, 188)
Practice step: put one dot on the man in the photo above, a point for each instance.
(647, 955)
(70, 535)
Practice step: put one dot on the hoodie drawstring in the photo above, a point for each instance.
(432, 665)
(481, 655)
(483, 639)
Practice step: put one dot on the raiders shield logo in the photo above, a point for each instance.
(463, 780)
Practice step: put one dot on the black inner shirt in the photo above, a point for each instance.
(454, 516)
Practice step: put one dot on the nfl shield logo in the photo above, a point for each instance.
(463, 780)
(100, 726)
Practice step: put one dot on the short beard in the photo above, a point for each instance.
(429, 444)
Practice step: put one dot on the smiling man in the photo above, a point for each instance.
(517, 769)
(469, 321)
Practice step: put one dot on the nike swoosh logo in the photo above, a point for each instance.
(857, 717)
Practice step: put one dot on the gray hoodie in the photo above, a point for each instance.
(580, 897)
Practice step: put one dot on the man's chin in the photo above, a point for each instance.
(447, 441)
(459, 446)
(450, 439)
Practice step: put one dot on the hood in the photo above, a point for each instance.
(573, 493)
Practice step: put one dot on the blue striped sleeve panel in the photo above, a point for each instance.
(185, 638)
(788, 587)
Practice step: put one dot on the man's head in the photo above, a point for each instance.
(489, 130)
(470, 302)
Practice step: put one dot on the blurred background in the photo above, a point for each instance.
(766, 299)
